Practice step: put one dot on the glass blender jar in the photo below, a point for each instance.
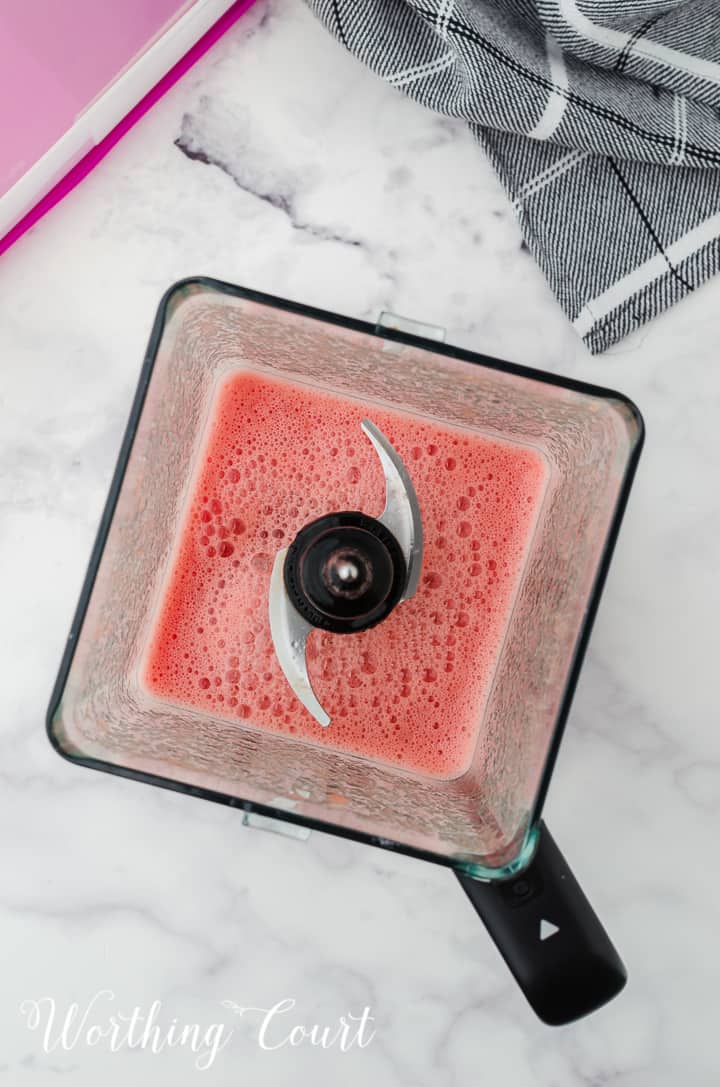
(345, 579)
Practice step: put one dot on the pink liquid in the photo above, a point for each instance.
(409, 692)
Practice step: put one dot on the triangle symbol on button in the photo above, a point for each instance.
(547, 929)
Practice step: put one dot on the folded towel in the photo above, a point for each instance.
(602, 119)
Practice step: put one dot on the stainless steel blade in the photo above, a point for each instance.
(402, 509)
(290, 633)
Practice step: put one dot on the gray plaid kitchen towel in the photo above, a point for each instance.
(602, 119)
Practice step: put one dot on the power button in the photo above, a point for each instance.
(522, 889)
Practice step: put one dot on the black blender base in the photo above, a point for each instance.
(550, 936)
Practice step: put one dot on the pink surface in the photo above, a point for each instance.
(410, 691)
(57, 58)
(52, 101)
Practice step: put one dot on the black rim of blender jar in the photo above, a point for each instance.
(527, 846)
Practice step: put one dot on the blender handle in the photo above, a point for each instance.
(550, 936)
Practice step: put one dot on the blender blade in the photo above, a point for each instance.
(290, 634)
(402, 509)
(401, 518)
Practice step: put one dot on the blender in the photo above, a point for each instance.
(344, 581)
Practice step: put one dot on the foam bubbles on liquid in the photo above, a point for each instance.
(408, 692)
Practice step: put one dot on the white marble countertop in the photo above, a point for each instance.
(326, 186)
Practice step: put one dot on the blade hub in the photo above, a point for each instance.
(345, 572)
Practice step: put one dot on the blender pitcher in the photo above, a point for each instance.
(344, 579)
